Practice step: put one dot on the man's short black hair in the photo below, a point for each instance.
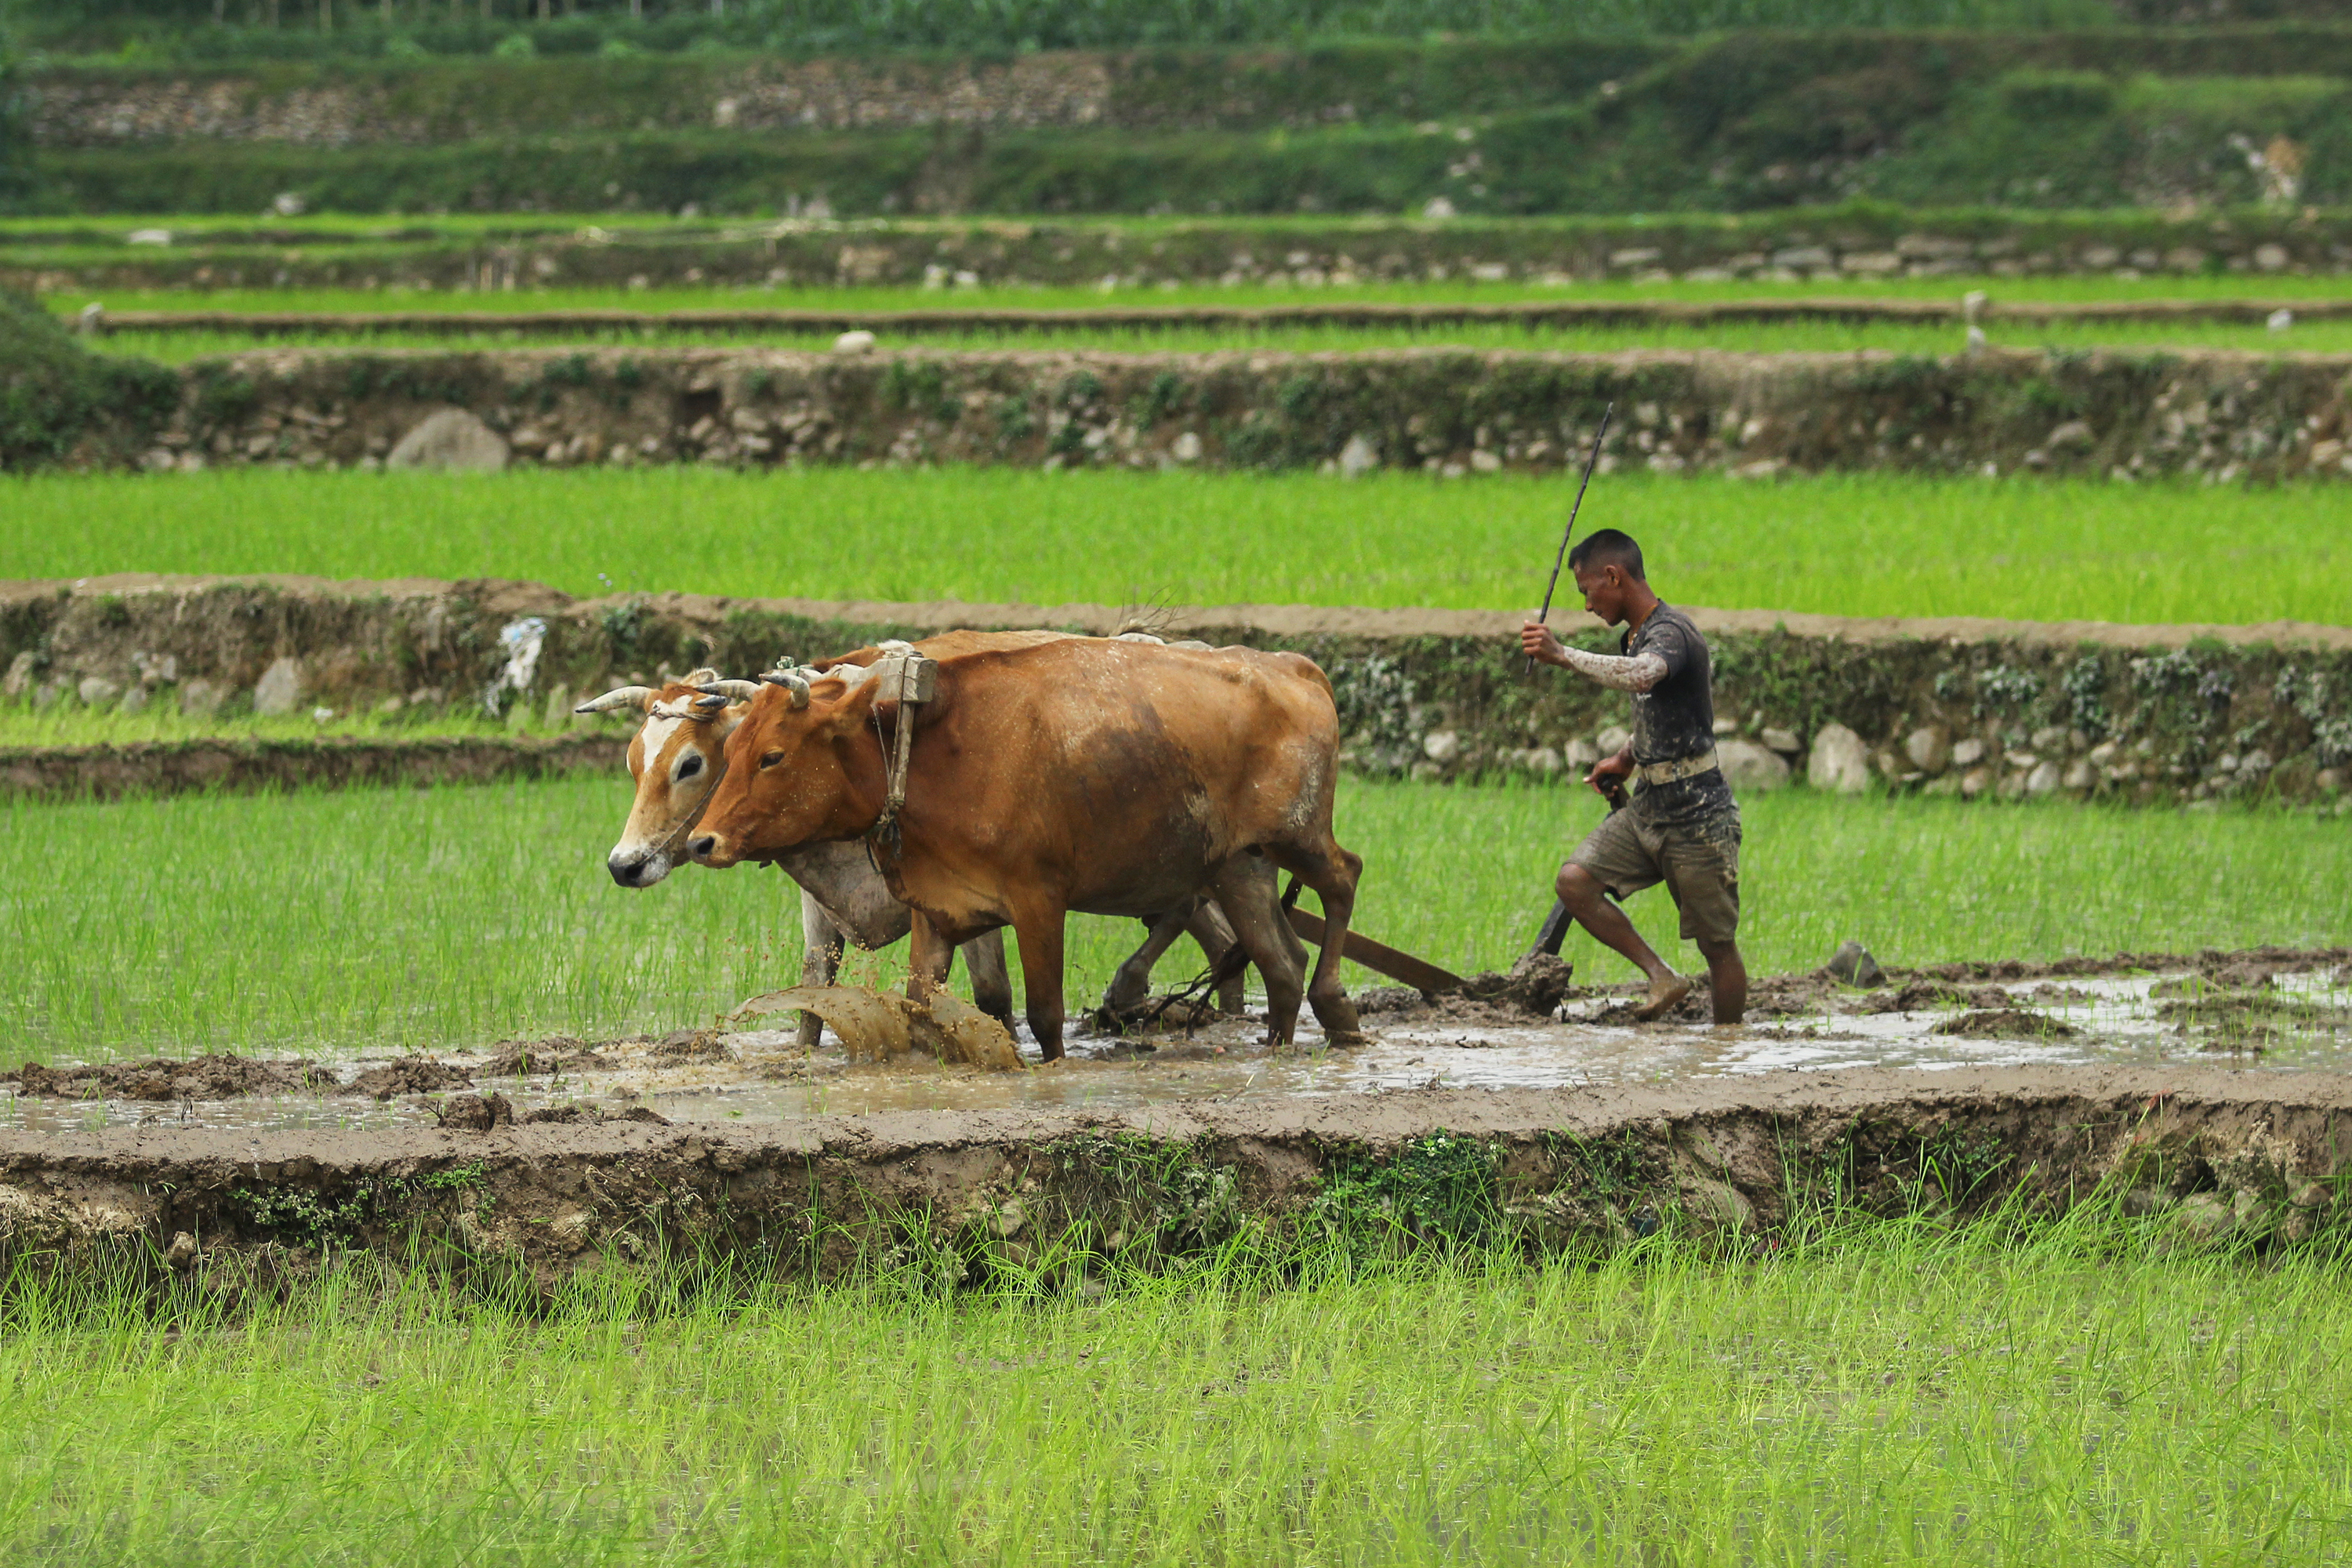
(1608, 547)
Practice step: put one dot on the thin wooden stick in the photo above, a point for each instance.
(1561, 559)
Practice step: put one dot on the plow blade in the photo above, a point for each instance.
(1378, 957)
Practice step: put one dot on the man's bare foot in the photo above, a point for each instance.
(1665, 996)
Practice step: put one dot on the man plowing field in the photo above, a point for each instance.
(1683, 827)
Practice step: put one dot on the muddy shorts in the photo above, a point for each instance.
(1698, 862)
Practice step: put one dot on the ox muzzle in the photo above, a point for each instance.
(638, 867)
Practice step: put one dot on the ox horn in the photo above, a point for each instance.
(733, 691)
(791, 682)
(635, 697)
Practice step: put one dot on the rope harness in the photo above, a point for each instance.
(914, 680)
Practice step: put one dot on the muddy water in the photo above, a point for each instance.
(2304, 1022)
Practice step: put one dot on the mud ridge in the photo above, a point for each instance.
(2220, 1155)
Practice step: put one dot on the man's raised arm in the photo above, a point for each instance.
(1639, 673)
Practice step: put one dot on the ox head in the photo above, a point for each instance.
(677, 758)
(793, 768)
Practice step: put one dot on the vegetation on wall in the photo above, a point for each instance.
(53, 391)
(305, 29)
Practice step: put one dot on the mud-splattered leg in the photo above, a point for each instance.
(1726, 980)
(991, 986)
(1245, 893)
(929, 957)
(1586, 900)
(820, 959)
(1039, 932)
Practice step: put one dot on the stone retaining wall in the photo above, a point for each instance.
(1971, 708)
(1789, 244)
(2224, 415)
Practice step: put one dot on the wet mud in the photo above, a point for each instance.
(221, 1076)
(1532, 1028)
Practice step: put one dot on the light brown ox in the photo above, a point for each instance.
(1107, 776)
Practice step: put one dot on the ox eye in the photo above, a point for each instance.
(688, 768)
(772, 759)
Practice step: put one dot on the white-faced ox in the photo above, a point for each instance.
(676, 757)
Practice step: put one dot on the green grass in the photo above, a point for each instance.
(1893, 1396)
(449, 917)
(1807, 337)
(1870, 544)
(70, 724)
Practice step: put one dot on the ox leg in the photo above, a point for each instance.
(1216, 934)
(1131, 986)
(930, 955)
(1039, 932)
(991, 986)
(820, 959)
(1333, 873)
(1245, 893)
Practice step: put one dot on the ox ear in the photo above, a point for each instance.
(702, 676)
(853, 710)
(637, 697)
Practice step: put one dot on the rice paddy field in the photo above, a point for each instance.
(1842, 1390)
(1811, 337)
(1876, 544)
(1817, 337)
(2053, 288)
(376, 919)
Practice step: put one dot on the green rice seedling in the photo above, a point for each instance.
(451, 918)
(1737, 337)
(1890, 1394)
(2058, 287)
(161, 723)
(1873, 544)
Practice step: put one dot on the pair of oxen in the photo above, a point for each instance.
(1043, 773)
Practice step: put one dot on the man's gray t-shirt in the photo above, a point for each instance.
(1675, 719)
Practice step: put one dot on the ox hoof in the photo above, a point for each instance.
(1338, 1016)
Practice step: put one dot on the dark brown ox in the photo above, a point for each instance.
(1107, 776)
